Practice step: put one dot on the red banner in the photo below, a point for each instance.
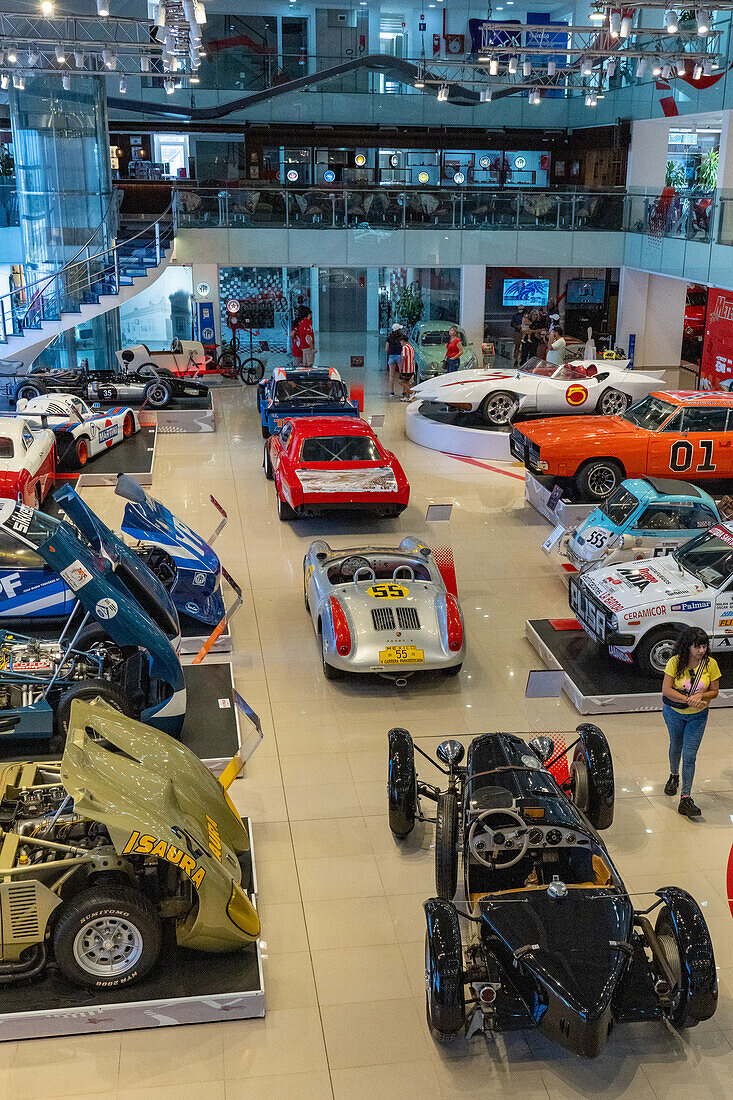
(717, 354)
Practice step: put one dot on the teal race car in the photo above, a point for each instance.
(430, 340)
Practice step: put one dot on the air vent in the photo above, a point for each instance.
(383, 618)
(22, 912)
(407, 618)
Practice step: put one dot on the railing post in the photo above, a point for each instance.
(460, 216)
(287, 209)
(346, 209)
(157, 243)
(117, 270)
(572, 212)
(516, 212)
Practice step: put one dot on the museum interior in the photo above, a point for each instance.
(321, 320)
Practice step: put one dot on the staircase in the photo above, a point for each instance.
(97, 278)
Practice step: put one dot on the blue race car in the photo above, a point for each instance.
(644, 518)
(181, 559)
(117, 645)
(317, 391)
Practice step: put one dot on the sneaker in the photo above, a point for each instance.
(404, 397)
(687, 807)
(392, 394)
(672, 785)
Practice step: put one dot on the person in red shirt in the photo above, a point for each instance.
(295, 349)
(407, 368)
(307, 339)
(453, 351)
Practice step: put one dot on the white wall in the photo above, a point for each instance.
(647, 165)
(653, 308)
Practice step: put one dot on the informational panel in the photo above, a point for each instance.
(717, 352)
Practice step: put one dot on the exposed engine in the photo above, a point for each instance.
(48, 814)
(40, 660)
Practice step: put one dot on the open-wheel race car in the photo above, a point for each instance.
(130, 833)
(150, 387)
(555, 942)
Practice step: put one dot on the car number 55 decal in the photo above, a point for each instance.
(388, 591)
(682, 456)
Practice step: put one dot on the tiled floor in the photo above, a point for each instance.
(341, 904)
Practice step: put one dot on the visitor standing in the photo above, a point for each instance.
(393, 347)
(454, 350)
(407, 368)
(691, 682)
(516, 324)
(556, 346)
(306, 338)
(296, 352)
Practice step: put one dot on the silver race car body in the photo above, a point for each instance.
(382, 610)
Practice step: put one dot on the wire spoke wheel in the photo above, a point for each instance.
(108, 946)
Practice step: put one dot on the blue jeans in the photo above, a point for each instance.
(685, 734)
(452, 365)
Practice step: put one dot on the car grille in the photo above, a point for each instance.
(383, 618)
(21, 912)
(407, 618)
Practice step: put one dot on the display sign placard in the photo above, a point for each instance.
(717, 350)
(206, 330)
(545, 683)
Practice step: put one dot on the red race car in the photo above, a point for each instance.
(27, 461)
(320, 463)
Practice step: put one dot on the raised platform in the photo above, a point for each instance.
(548, 499)
(195, 633)
(185, 987)
(210, 728)
(189, 416)
(454, 433)
(598, 684)
(136, 457)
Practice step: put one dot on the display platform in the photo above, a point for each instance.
(210, 728)
(185, 987)
(136, 457)
(552, 503)
(455, 433)
(194, 633)
(598, 684)
(187, 416)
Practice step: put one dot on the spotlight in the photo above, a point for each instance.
(535, 98)
(160, 14)
(31, 58)
(493, 66)
(681, 66)
(193, 79)
(2, 56)
(527, 67)
(586, 66)
(12, 54)
(593, 100)
(46, 8)
(597, 15)
(697, 71)
(715, 64)
(611, 68)
(170, 85)
(443, 93)
(512, 66)
(109, 58)
(19, 81)
(79, 59)
(707, 67)
(123, 85)
(60, 55)
(551, 67)
(666, 72)
(703, 22)
(144, 63)
(641, 67)
(4, 81)
(419, 83)
(66, 82)
(486, 95)
(615, 23)
(624, 32)
(102, 8)
(656, 67)
(670, 20)
(199, 12)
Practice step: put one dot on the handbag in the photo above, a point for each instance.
(694, 684)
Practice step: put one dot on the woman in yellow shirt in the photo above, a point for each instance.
(691, 682)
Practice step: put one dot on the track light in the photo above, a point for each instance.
(535, 98)
(640, 67)
(60, 55)
(615, 23)
(625, 30)
(12, 54)
(656, 67)
(670, 21)
(32, 58)
(493, 66)
(512, 66)
(109, 58)
(170, 85)
(79, 59)
(19, 81)
(66, 82)
(611, 68)
(551, 68)
(486, 95)
(4, 81)
(527, 67)
(193, 79)
(597, 16)
(144, 63)
(703, 21)
(102, 8)
(47, 8)
(586, 66)
(666, 72)
(199, 12)
(419, 83)
(160, 14)
(697, 71)
(707, 67)
(123, 85)
(681, 66)
(443, 93)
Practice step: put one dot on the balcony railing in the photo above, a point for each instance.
(8, 203)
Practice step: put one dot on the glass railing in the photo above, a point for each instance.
(686, 215)
(253, 206)
(8, 203)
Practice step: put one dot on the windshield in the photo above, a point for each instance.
(325, 390)
(438, 337)
(697, 297)
(339, 448)
(619, 506)
(708, 556)
(30, 525)
(649, 413)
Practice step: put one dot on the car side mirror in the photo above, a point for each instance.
(542, 747)
(450, 753)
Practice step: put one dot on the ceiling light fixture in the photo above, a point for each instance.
(79, 59)
(656, 67)
(102, 8)
(586, 66)
(144, 63)
(32, 58)
(159, 14)
(640, 67)
(597, 15)
(494, 66)
(625, 30)
(443, 93)
(527, 67)
(611, 68)
(681, 66)
(66, 82)
(486, 95)
(697, 71)
(19, 81)
(60, 55)
(199, 11)
(666, 72)
(170, 85)
(703, 22)
(670, 21)
(551, 68)
(512, 66)
(12, 54)
(615, 23)
(123, 85)
(4, 81)
(707, 67)
(47, 8)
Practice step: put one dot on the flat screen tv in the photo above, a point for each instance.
(526, 292)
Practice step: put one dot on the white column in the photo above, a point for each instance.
(665, 318)
(631, 317)
(372, 307)
(208, 273)
(473, 298)
(647, 164)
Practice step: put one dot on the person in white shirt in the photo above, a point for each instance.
(556, 346)
(407, 368)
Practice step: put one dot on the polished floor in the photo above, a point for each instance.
(341, 904)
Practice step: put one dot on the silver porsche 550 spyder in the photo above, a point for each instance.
(382, 610)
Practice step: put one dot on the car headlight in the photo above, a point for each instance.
(242, 912)
(613, 622)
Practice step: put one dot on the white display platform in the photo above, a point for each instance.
(181, 421)
(538, 493)
(453, 439)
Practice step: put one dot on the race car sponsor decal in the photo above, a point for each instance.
(10, 585)
(76, 575)
(597, 537)
(674, 591)
(199, 578)
(620, 654)
(106, 608)
(639, 578)
(682, 453)
(388, 591)
(107, 434)
(725, 622)
(691, 605)
(192, 607)
(214, 838)
(20, 520)
(147, 845)
(576, 395)
(645, 613)
(38, 665)
(722, 534)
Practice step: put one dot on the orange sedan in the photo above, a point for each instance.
(686, 435)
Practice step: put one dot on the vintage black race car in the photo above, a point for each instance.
(155, 388)
(555, 942)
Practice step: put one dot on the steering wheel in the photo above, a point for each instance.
(409, 570)
(349, 566)
(367, 569)
(477, 845)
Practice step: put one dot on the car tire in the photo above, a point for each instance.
(684, 940)
(445, 1005)
(149, 370)
(330, 671)
(597, 479)
(128, 426)
(120, 909)
(401, 783)
(453, 670)
(305, 590)
(81, 451)
(446, 845)
(267, 464)
(157, 394)
(592, 787)
(612, 403)
(87, 690)
(655, 649)
(29, 390)
(265, 432)
(497, 408)
(252, 371)
(284, 512)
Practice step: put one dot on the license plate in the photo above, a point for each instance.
(591, 617)
(401, 655)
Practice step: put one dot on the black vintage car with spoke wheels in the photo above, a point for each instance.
(544, 934)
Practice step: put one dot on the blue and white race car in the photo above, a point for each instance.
(315, 391)
(644, 518)
(81, 433)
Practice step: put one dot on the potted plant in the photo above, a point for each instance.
(409, 305)
(675, 176)
(707, 174)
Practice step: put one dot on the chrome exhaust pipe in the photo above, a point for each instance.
(401, 682)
